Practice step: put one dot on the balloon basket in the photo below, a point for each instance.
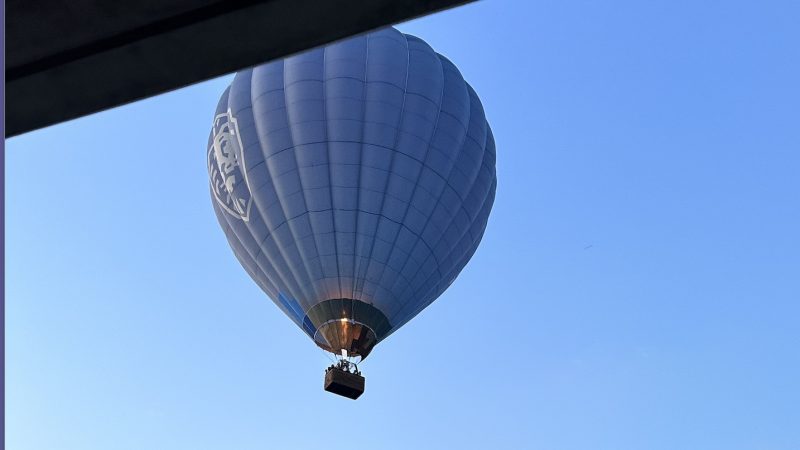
(344, 379)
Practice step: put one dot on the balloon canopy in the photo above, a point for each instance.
(353, 183)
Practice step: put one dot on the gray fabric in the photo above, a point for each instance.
(362, 170)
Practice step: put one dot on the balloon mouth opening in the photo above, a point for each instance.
(350, 336)
(347, 324)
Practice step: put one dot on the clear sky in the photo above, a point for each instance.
(638, 286)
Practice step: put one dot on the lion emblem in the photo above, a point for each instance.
(226, 171)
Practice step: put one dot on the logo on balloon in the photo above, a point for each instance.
(226, 167)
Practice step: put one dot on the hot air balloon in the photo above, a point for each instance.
(353, 183)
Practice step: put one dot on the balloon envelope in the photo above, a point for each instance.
(353, 183)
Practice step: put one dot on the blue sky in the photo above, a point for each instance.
(638, 286)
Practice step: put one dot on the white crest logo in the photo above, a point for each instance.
(226, 170)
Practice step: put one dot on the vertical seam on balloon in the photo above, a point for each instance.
(357, 259)
(311, 280)
(330, 175)
(391, 164)
(432, 292)
(486, 204)
(247, 224)
(422, 166)
(312, 285)
(330, 181)
(437, 289)
(293, 288)
(473, 97)
(484, 212)
(428, 218)
(469, 193)
(438, 202)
